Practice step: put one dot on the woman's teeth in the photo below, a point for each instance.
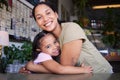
(48, 24)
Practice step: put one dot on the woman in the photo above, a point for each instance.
(75, 47)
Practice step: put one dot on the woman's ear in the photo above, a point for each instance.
(56, 14)
(38, 50)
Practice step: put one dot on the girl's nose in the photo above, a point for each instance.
(55, 46)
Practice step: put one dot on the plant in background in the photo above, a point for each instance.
(12, 53)
(4, 2)
(109, 40)
(26, 49)
(80, 8)
(117, 35)
(109, 29)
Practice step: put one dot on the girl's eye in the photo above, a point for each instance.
(47, 46)
(55, 41)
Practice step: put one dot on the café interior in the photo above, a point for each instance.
(100, 20)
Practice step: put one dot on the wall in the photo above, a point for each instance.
(18, 20)
(65, 9)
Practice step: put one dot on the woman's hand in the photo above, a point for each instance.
(87, 69)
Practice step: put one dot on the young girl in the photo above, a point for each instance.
(46, 46)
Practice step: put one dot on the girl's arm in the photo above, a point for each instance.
(71, 52)
(36, 67)
(55, 67)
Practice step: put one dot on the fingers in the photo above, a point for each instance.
(82, 65)
(88, 69)
(24, 70)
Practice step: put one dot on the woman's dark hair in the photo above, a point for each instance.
(52, 6)
(36, 44)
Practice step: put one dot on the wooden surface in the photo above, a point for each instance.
(99, 76)
(112, 57)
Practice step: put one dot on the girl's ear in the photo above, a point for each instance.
(38, 50)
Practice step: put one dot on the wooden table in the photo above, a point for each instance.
(100, 76)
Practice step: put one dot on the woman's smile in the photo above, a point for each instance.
(46, 18)
(48, 24)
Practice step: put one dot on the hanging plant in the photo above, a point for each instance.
(80, 7)
(4, 2)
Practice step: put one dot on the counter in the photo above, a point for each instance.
(114, 60)
(102, 76)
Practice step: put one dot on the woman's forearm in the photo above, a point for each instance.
(57, 68)
(74, 70)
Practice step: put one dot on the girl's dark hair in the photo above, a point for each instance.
(36, 44)
(47, 3)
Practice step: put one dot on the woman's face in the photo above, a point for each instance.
(49, 45)
(46, 18)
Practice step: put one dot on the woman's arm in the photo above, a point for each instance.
(71, 52)
(57, 68)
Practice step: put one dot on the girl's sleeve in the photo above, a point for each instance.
(42, 57)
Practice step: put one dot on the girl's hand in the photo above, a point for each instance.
(24, 70)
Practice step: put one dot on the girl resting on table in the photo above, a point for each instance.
(75, 46)
(45, 46)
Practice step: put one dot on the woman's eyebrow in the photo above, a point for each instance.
(45, 11)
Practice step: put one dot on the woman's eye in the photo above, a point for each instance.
(48, 13)
(39, 17)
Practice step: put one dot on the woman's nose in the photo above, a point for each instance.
(45, 18)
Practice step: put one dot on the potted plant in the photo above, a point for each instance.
(20, 53)
(109, 29)
(80, 7)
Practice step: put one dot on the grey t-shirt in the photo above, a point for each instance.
(89, 55)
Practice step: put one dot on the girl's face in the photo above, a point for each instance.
(46, 18)
(49, 45)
